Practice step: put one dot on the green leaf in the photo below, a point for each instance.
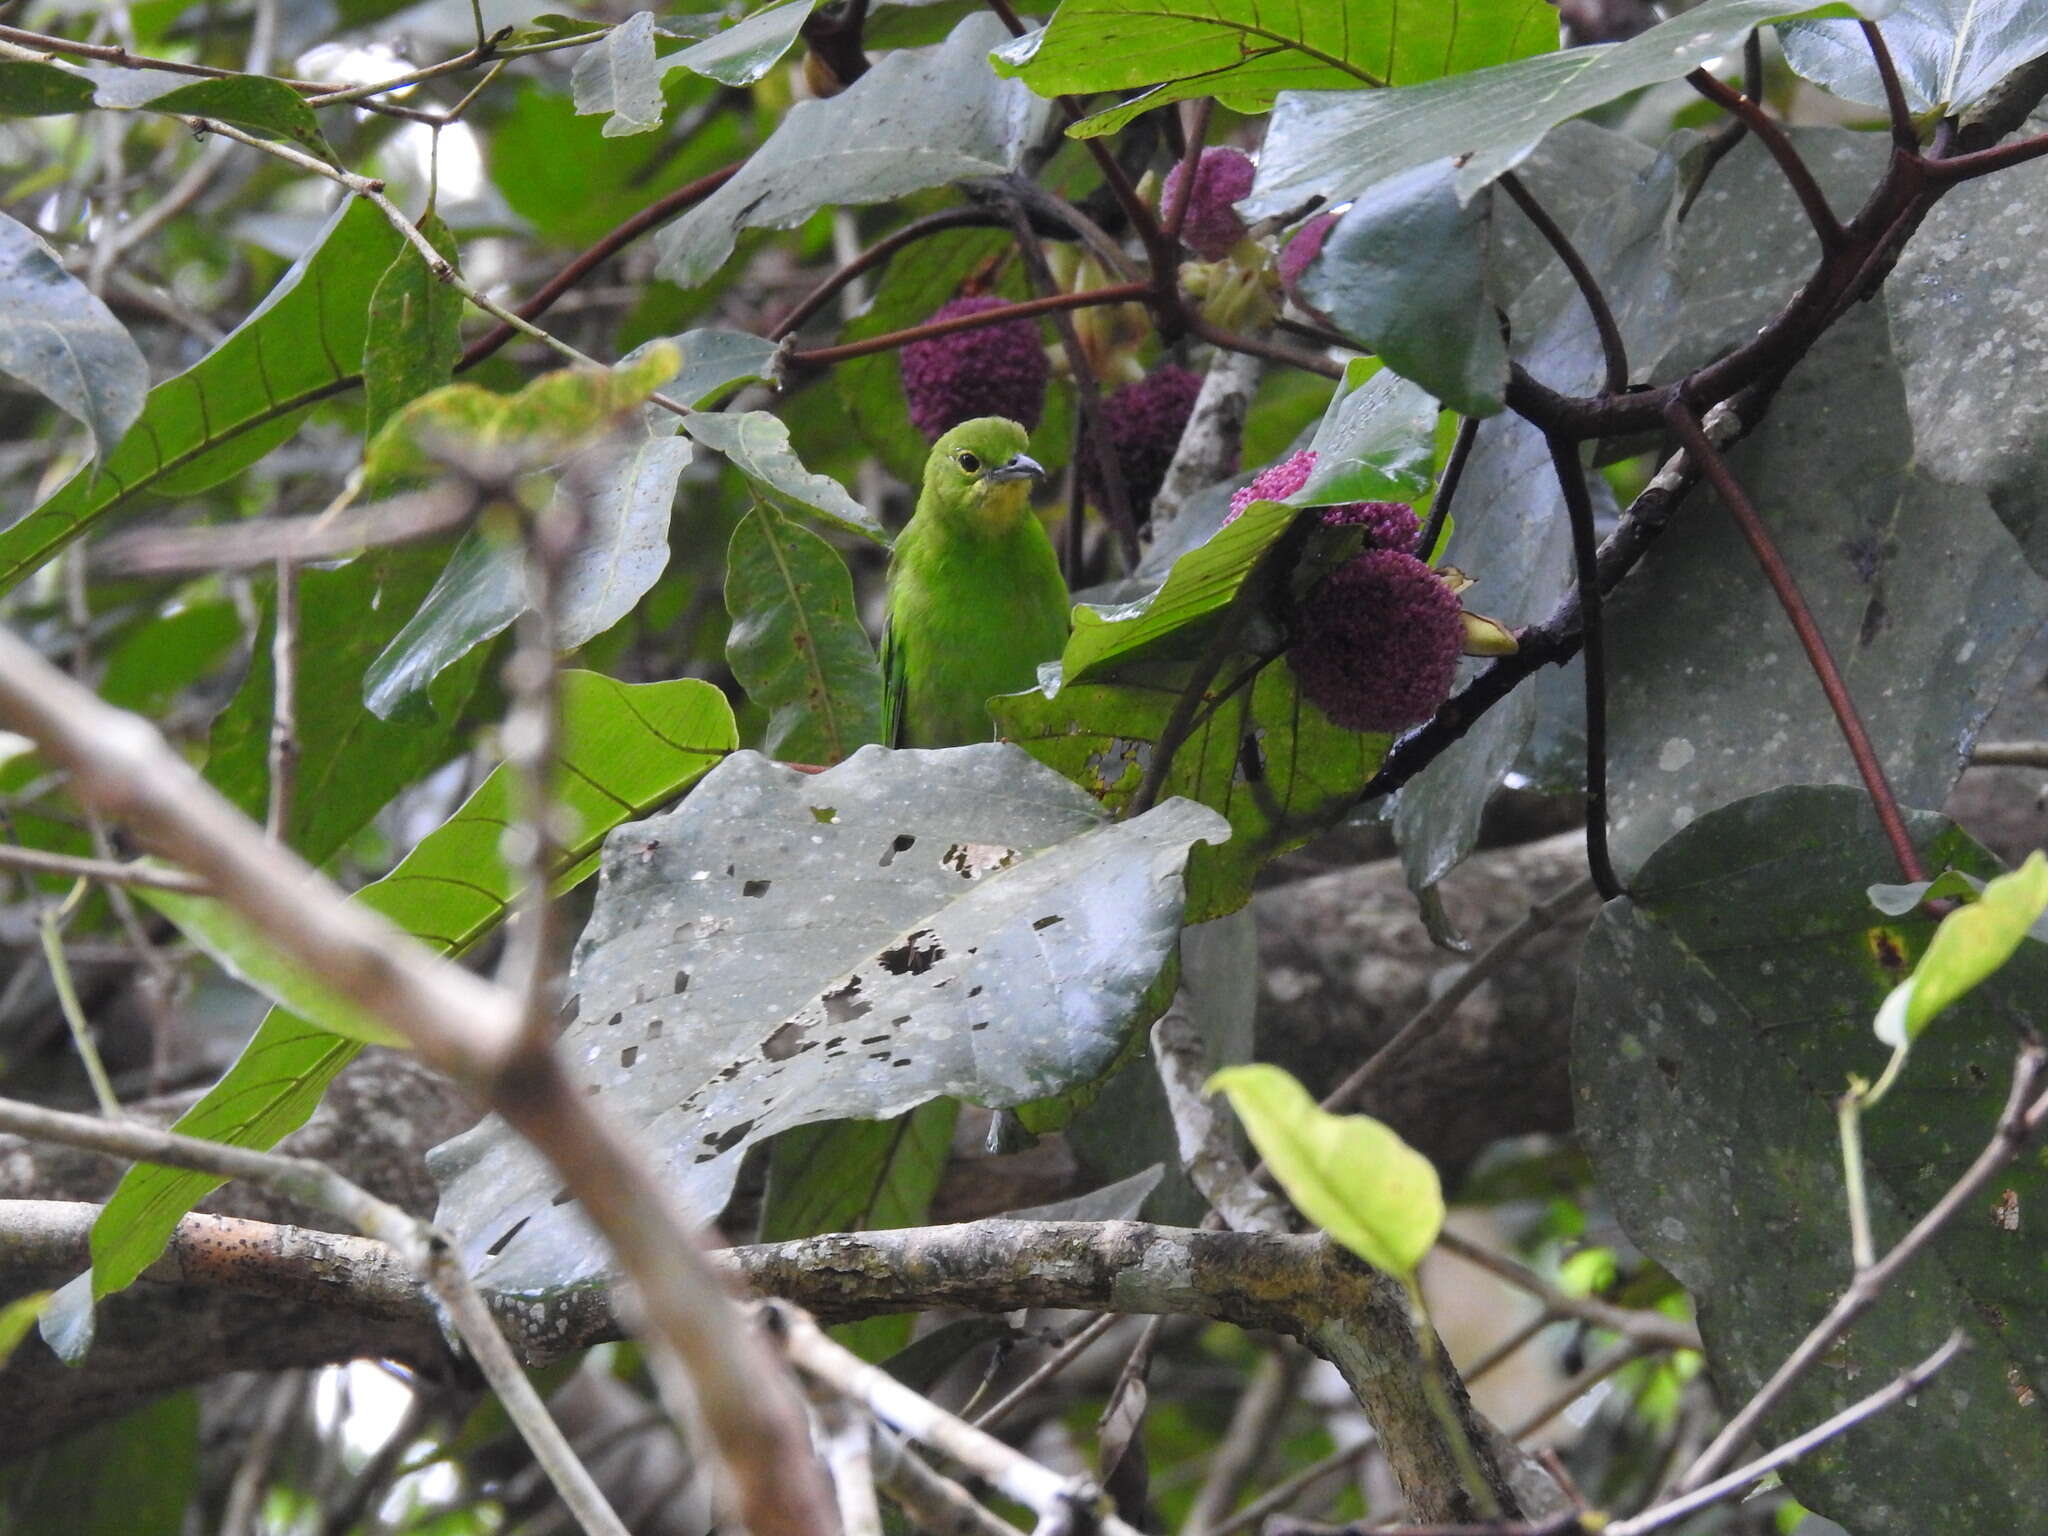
(856, 1175)
(1244, 52)
(33, 88)
(1335, 144)
(1265, 757)
(626, 749)
(63, 343)
(785, 948)
(17, 1317)
(1349, 1174)
(255, 102)
(152, 664)
(713, 362)
(1404, 271)
(1971, 943)
(1949, 53)
(862, 146)
(131, 1477)
(796, 643)
(301, 344)
(1719, 1008)
(414, 335)
(757, 445)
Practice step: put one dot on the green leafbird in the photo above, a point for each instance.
(976, 599)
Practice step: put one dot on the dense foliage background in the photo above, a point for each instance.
(415, 410)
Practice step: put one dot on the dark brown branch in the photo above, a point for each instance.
(1578, 503)
(659, 211)
(1258, 346)
(1735, 130)
(1190, 158)
(1611, 347)
(1811, 640)
(1447, 487)
(1904, 135)
(1960, 168)
(1825, 225)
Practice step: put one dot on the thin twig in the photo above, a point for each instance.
(917, 229)
(1447, 487)
(1622, 1354)
(1732, 132)
(2009, 754)
(1578, 506)
(284, 703)
(1812, 200)
(50, 923)
(937, 1505)
(889, 341)
(1283, 1494)
(1058, 1361)
(1811, 640)
(2019, 1123)
(403, 519)
(1195, 115)
(1540, 918)
(285, 1396)
(1246, 1441)
(1652, 1330)
(1743, 1477)
(38, 861)
(1612, 349)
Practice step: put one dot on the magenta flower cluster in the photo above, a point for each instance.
(996, 370)
(1212, 227)
(1144, 419)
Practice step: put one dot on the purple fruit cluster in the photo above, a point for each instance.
(996, 370)
(1381, 635)
(1212, 227)
(1145, 420)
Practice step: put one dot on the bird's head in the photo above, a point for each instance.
(980, 472)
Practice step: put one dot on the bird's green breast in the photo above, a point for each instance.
(971, 615)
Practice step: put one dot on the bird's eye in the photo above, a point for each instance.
(969, 462)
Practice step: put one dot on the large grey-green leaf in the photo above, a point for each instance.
(796, 643)
(619, 75)
(749, 48)
(1335, 144)
(786, 948)
(714, 362)
(63, 343)
(1404, 271)
(1916, 585)
(918, 119)
(1949, 53)
(627, 485)
(1244, 52)
(1719, 1010)
(756, 443)
(1969, 308)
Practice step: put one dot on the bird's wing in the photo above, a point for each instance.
(895, 684)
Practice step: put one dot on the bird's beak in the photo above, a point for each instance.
(1022, 467)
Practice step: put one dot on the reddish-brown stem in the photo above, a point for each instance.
(1825, 225)
(656, 212)
(1611, 347)
(1983, 162)
(1903, 133)
(1703, 452)
(1578, 505)
(1258, 346)
(874, 255)
(1118, 293)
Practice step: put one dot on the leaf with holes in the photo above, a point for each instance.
(302, 344)
(1244, 52)
(920, 118)
(796, 643)
(1721, 1007)
(786, 948)
(1335, 144)
(65, 344)
(625, 749)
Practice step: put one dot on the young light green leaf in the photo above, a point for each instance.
(303, 343)
(626, 749)
(1244, 52)
(1349, 1174)
(1898, 900)
(1335, 144)
(796, 643)
(1971, 943)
